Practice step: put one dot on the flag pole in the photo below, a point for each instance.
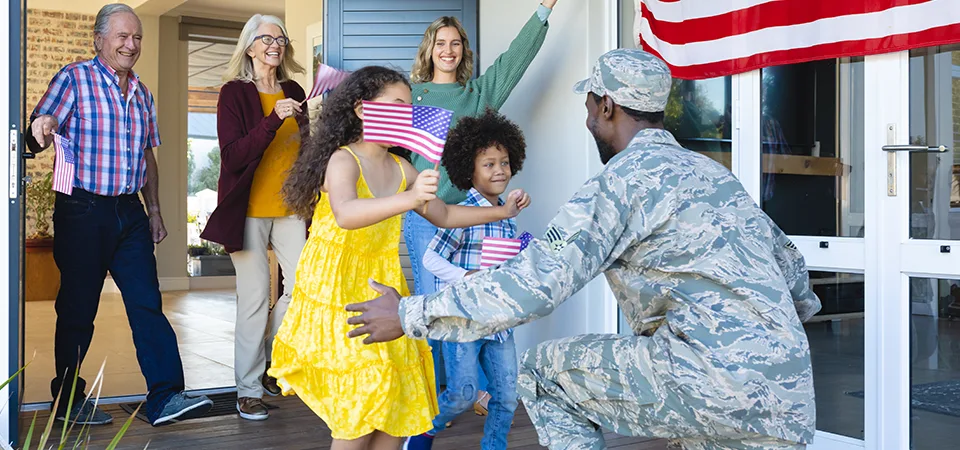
(436, 166)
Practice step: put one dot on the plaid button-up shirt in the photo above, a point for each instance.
(461, 246)
(110, 133)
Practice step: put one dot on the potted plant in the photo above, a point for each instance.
(210, 259)
(42, 276)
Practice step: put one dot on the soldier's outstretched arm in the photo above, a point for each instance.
(604, 218)
(794, 270)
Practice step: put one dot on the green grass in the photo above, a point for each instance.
(82, 438)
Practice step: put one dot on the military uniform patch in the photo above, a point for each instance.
(555, 240)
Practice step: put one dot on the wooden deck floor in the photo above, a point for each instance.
(293, 426)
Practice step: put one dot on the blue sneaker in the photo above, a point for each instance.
(419, 442)
(85, 413)
(182, 407)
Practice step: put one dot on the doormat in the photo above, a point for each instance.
(942, 397)
(224, 404)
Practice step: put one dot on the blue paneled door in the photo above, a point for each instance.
(387, 32)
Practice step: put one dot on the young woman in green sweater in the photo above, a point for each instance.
(441, 76)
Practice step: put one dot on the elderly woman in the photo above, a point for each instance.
(260, 126)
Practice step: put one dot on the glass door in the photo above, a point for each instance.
(803, 162)
(918, 169)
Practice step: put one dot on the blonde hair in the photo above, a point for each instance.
(422, 70)
(241, 65)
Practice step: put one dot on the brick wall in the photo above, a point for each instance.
(54, 39)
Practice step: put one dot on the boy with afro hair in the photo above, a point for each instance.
(481, 155)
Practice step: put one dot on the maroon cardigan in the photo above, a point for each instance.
(244, 135)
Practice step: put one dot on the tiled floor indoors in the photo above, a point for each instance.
(203, 321)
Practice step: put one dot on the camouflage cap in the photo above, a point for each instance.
(632, 78)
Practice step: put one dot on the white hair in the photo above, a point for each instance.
(241, 66)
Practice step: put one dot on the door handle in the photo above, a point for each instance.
(915, 148)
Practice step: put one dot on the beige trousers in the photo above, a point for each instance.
(256, 325)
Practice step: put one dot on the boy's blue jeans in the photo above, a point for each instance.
(462, 361)
(417, 233)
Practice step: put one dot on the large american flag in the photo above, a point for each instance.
(327, 79)
(420, 129)
(711, 38)
(496, 251)
(64, 165)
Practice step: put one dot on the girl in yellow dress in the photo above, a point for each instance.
(369, 395)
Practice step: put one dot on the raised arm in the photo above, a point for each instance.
(586, 236)
(443, 215)
(351, 212)
(498, 81)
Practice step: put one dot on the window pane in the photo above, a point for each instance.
(836, 349)
(934, 363)
(812, 142)
(698, 115)
(935, 121)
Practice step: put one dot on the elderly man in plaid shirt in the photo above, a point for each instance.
(101, 107)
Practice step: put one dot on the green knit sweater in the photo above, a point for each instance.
(488, 90)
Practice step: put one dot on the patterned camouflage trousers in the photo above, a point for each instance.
(575, 387)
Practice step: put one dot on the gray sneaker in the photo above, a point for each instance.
(182, 407)
(85, 413)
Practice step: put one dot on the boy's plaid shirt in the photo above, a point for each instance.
(109, 133)
(461, 246)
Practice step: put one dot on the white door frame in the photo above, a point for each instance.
(898, 257)
(887, 330)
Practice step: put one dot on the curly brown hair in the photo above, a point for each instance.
(337, 127)
(474, 134)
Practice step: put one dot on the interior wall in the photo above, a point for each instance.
(172, 155)
(561, 154)
(304, 21)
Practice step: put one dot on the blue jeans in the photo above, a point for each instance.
(463, 360)
(95, 234)
(418, 232)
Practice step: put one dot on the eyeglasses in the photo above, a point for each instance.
(269, 40)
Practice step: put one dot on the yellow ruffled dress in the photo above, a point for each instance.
(354, 388)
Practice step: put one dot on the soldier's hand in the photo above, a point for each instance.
(43, 128)
(379, 318)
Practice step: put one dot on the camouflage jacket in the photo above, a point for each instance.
(693, 262)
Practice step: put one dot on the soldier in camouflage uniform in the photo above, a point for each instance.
(714, 291)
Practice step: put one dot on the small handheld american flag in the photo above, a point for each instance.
(420, 129)
(327, 79)
(64, 165)
(496, 251)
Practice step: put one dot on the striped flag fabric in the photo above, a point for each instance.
(64, 165)
(420, 129)
(711, 38)
(327, 79)
(496, 251)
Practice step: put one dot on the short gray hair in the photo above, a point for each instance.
(101, 25)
